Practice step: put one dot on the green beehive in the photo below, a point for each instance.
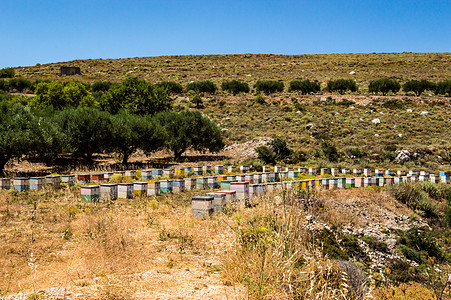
(90, 193)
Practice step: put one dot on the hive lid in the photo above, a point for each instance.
(202, 198)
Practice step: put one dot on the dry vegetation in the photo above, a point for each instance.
(152, 248)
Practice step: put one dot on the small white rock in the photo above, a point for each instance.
(424, 113)
(376, 121)
(409, 110)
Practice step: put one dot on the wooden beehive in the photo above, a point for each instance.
(219, 169)
(190, 183)
(202, 206)
(219, 201)
(146, 174)
(108, 191)
(153, 188)
(90, 193)
(125, 190)
(53, 181)
(84, 178)
(140, 189)
(37, 183)
(178, 186)
(5, 183)
(97, 178)
(166, 186)
(68, 179)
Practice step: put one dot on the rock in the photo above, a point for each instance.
(298, 112)
(408, 110)
(402, 156)
(376, 135)
(352, 73)
(424, 113)
(309, 126)
(361, 119)
(400, 135)
(376, 121)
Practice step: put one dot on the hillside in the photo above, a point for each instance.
(251, 67)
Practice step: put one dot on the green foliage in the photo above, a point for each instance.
(418, 244)
(356, 152)
(19, 133)
(298, 106)
(305, 86)
(195, 99)
(205, 86)
(7, 73)
(266, 155)
(4, 85)
(101, 86)
(298, 157)
(393, 104)
(235, 86)
(171, 86)
(330, 151)
(443, 88)
(342, 86)
(136, 96)
(59, 95)
(280, 148)
(384, 86)
(132, 132)
(190, 129)
(259, 100)
(85, 131)
(19, 84)
(269, 86)
(418, 86)
(414, 197)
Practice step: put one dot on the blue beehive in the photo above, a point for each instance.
(20, 184)
(188, 170)
(166, 186)
(157, 173)
(146, 174)
(293, 174)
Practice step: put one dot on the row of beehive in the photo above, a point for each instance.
(22, 184)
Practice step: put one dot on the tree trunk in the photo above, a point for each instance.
(178, 153)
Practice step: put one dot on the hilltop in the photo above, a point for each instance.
(252, 67)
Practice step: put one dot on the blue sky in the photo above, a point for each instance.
(43, 31)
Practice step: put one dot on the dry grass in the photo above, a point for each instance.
(125, 249)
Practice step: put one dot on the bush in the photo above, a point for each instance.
(7, 73)
(266, 155)
(4, 85)
(19, 84)
(235, 87)
(330, 152)
(195, 99)
(171, 86)
(414, 197)
(443, 88)
(269, 86)
(305, 86)
(101, 86)
(418, 244)
(342, 86)
(418, 86)
(393, 104)
(384, 86)
(299, 156)
(280, 148)
(205, 86)
(258, 100)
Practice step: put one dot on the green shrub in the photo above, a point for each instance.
(280, 148)
(171, 86)
(259, 100)
(393, 104)
(7, 73)
(269, 86)
(4, 85)
(304, 86)
(19, 84)
(266, 155)
(330, 151)
(101, 86)
(418, 86)
(418, 244)
(205, 86)
(235, 86)
(298, 157)
(342, 86)
(414, 197)
(443, 88)
(346, 102)
(384, 86)
(299, 107)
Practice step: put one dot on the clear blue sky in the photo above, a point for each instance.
(45, 31)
